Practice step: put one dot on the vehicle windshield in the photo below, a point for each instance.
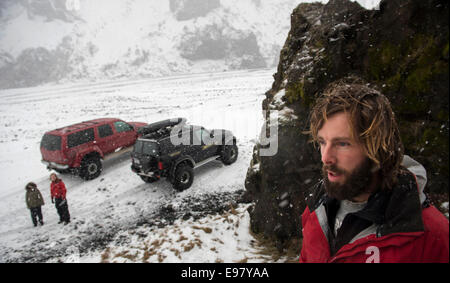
(146, 147)
(51, 142)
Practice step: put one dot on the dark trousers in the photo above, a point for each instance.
(36, 214)
(63, 210)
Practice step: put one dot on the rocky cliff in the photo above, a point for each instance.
(402, 49)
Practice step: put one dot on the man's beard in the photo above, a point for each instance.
(356, 183)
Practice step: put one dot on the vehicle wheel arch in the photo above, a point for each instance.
(86, 168)
(92, 154)
(183, 176)
(184, 160)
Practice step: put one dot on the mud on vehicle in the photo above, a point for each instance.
(172, 149)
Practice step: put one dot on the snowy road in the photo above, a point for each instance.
(118, 198)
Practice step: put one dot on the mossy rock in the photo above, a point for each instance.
(410, 69)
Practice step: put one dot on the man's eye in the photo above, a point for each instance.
(343, 144)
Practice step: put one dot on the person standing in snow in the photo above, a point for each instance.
(58, 196)
(370, 205)
(34, 200)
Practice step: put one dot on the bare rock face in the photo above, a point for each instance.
(240, 49)
(35, 66)
(400, 48)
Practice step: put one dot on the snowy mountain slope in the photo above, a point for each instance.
(44, 41)
(118, 200)
(52, 41)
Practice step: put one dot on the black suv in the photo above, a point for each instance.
(173, 149)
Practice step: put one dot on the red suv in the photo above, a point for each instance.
(80, 147)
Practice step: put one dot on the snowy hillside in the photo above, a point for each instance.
(44, 41)
(61, 40)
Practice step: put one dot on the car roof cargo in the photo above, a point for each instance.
(161, 128)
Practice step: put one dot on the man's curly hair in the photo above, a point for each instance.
(372, 122)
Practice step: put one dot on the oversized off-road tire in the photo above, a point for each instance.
(91, 167)
(229, 154)
(183, 178)
(149, 179)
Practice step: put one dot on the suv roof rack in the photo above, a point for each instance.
(161, 126)
(161, 129)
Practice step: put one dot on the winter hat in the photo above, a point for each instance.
(30, 185)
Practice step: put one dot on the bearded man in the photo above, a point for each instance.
(370, 205)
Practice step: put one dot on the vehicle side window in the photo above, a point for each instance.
(80, 137)
(197, 137)
(200, 136)
(104, 131)
(205, 135)
(122, 127)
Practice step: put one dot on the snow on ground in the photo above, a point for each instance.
(213, 238)
(118, 205)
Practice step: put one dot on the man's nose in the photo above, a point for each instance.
(328, 155)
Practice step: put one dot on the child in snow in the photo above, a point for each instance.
(58, 196)
(34, 200)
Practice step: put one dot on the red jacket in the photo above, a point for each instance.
(58, 190)
(399, 226)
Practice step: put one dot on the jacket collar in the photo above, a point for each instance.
(398, 210)
(403, 212)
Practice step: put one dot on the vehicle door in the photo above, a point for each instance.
(124, 134)
(200, 149)
(145, 155)
(79, 143)
(106, 140)
(210, 143)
